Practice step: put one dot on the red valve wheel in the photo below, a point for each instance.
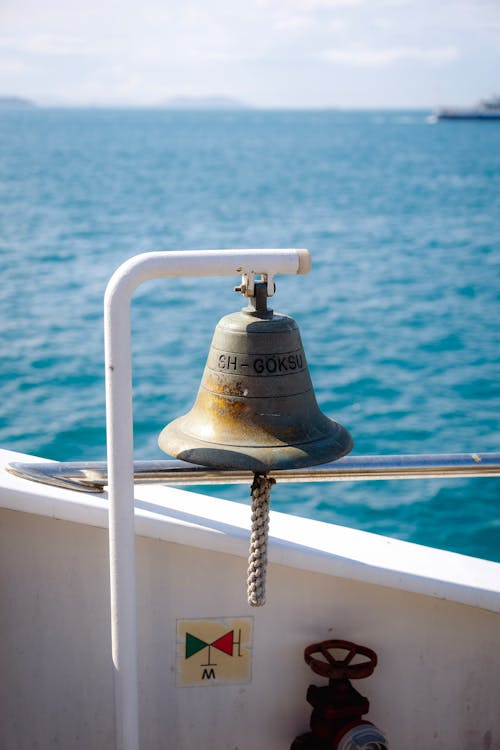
(338, 669)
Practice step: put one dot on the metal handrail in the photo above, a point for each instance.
(93, 476)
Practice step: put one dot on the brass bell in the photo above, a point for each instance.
(256, 409)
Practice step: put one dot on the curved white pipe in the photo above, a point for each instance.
(120, 448)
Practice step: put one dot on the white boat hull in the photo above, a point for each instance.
(432, 617)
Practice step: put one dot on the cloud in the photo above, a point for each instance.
(375, 57)
(315, 5)
(44, 44)
(12, 67)
(274, 52)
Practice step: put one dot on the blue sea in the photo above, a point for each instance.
(399, 316)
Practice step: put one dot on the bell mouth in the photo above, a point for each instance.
(180, 443)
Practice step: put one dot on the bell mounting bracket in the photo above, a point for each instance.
(247, 286)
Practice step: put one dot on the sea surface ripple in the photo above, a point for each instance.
(399, 316)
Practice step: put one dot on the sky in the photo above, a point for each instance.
(267, 53)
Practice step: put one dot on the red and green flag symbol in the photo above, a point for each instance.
(224, 644)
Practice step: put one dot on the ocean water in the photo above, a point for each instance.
(399, 316)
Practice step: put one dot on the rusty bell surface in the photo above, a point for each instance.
(256, 407)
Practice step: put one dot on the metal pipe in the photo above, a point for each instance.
(119, 423)
(93, 476)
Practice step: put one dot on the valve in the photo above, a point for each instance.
(336, 720)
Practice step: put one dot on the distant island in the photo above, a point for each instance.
(15, 102)
(204, 102)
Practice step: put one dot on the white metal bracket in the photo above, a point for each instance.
(119, 425)
(247, 286)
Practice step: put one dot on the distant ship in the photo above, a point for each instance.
(488, 109)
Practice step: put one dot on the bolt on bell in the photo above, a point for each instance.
(256, 409)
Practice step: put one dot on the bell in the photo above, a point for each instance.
(256, 409)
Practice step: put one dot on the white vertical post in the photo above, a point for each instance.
(120, 443)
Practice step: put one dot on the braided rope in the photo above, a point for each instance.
(257, 560)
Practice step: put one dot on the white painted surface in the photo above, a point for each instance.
(211, 523)
(436, 685)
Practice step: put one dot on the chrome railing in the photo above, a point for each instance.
(93, 476)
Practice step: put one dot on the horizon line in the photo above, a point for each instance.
(219, 108)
